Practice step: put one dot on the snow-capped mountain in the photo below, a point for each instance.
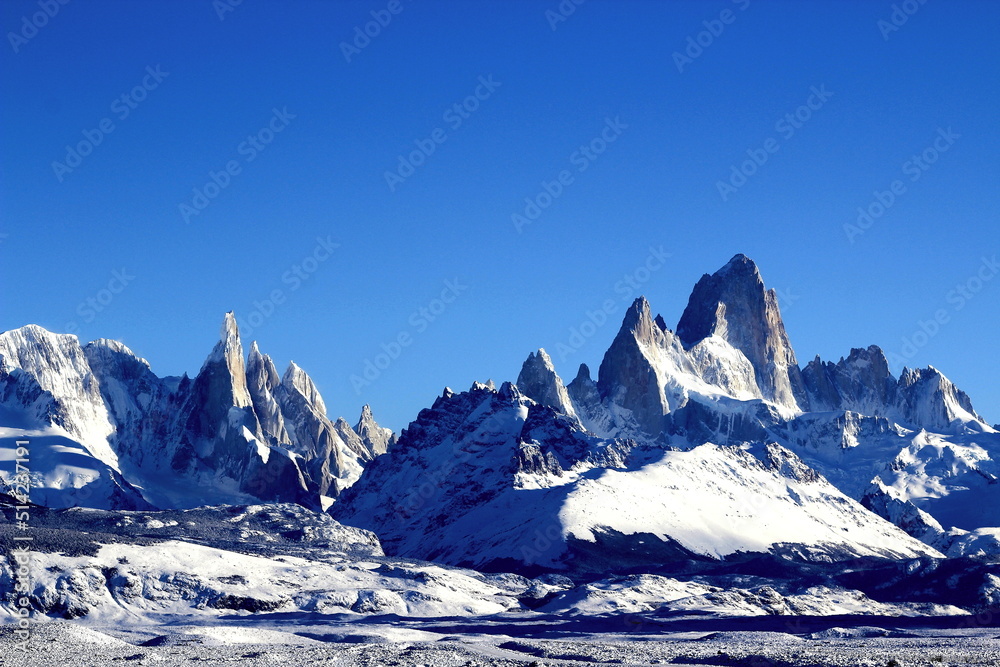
(702, 442)
(698, 443)
(105, 431)
(493, 479)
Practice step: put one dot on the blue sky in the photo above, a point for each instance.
(301, 131)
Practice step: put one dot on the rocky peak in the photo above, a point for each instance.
(862, 382)
(483, 386)
(638, 322)
(508, 391)
(928, 398)
(298, 381)
(224, 370)
(261, 371)
(628, 376)
(262, 382)
(540, 382)
(734, 305)
(219, 407)
(126, 381)
(375, 438)
(66, 390)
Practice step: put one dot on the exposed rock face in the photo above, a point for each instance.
(220, 417)
(633, 374)
(733, 305)
(930, 400)
(862, 382)
(539, 381)
(262, 383)
(880, 499)
(586, 399)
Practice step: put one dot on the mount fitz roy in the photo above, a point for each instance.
(704, 443)
(105, 432)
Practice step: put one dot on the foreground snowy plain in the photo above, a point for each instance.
(278, 584)
(312, 639)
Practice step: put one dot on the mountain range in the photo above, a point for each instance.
(700, 442)
(697, 444)
(105, 432)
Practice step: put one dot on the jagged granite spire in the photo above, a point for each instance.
(638, 365)
(262, 382)
(927, 398)
(297, 380)
(734, 305)
(376, 439)
(539, 381)
(221, 384)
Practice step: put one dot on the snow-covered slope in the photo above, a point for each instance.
(285, 562)
(216, 561)
(48, 377)
(490, 478)
(644, 593)
(717, 501)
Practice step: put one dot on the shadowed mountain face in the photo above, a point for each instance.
(117, 436)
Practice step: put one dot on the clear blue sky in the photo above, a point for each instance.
(656, 184)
